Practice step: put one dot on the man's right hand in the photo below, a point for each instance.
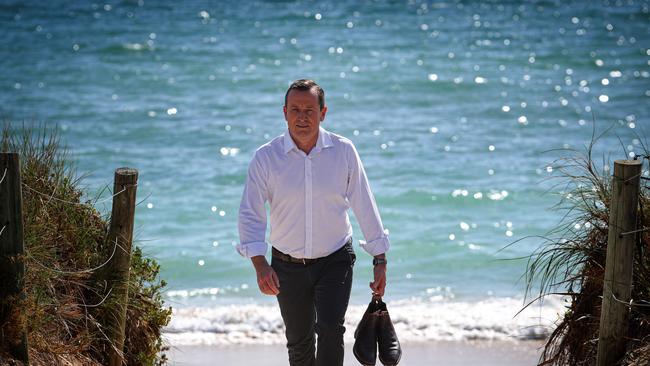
(267, 279)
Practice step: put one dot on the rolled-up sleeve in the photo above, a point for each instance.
(364, 207)
(252, 212)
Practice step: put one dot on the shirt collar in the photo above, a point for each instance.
(324, 140)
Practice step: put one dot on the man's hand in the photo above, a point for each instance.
(378, 286)
(267, 279)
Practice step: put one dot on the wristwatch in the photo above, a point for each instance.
(377, 261)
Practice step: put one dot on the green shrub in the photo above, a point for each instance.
(65, 245)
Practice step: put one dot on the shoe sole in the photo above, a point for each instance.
(364, 364)
(391, 364)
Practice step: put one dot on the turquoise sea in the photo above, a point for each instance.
(457, 108)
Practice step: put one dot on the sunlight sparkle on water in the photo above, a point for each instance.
(615, 74)
(523, 120)
(231, 151)
(459, 192)
(497, 196)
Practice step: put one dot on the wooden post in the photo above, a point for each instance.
(13, 335)
(117, 269)
(617, 287)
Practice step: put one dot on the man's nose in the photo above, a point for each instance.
(302, 117)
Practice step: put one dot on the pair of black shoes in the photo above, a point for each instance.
(376, 329)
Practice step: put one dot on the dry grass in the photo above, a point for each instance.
(65, 245)
(571, 262)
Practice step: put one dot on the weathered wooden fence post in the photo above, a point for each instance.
(13, 335)
(617, 287)
(117, 269)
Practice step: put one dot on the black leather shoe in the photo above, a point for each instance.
(365, 343)
(390, 351)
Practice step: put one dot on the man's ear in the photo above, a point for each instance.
(323, 112)
(284, 110)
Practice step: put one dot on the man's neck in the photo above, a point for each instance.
(306, 148)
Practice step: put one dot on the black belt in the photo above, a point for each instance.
(287, 258)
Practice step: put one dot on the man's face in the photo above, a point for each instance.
(303, 115)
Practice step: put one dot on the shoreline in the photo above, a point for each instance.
(485, 353)
(415, 321)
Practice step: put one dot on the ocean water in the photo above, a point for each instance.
(458, 110)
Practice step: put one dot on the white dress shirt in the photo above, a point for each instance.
(309, 196)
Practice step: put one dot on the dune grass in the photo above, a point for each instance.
(65, 248)
(571, 262)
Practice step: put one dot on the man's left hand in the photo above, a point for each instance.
(379, 284)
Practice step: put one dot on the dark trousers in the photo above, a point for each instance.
(314, 298)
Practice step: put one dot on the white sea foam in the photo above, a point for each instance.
(414, 321)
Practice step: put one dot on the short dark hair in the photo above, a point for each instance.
(307, 84)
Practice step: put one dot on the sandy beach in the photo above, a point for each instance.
(486, 353)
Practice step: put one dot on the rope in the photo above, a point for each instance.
(634, 232)
(85, 270)
(631, 302)
(75, 203)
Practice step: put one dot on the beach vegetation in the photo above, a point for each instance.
(570, 262)
(65, 240)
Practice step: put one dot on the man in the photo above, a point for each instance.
(310, 177)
